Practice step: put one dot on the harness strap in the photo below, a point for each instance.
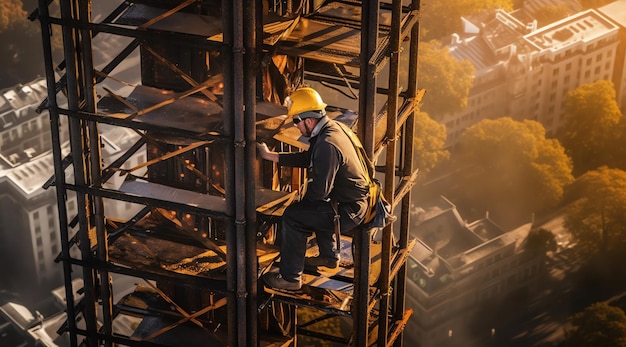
(337, 224)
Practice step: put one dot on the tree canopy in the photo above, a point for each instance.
(442, 18)
(597, 325)
(11, 14)
(592, 116)
(447, 81)
(549, 14)
(541, 241)
(429, 139)
(511, 164)
(597, 216)
(22, 56)
(594, 3)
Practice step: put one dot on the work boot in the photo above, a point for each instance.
(275, 280)
(313, 262)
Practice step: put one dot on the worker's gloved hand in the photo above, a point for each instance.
(265, 152)
(262, 147)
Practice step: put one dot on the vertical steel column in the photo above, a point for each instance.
(390, 168)
(367, 75)
(59, 173)
(102, 248)
(240, 165)
(229, 173)
(74, 86)
(407, 169)
(249, 85)
(367, 115)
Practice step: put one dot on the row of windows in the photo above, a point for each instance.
(26, 127)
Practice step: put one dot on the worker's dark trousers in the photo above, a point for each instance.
(305, 217)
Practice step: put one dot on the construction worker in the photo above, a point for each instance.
(336, 179)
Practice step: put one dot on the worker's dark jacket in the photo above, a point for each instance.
(335, 171)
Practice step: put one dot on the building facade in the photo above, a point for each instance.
(29, 222)
(525, 72)
(459, 272)
(616, 12)
(28, 213)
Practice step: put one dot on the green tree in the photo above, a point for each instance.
(597, 216)
(442, 18)
(594, 3)
(551, 13)
(447, 81)
(597, 325)
(21, 60)
(11, 14)
(429, 139)
(508, 161)
(540, 240)
(592, 115)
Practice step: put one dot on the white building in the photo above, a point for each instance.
(525, 72)
(29, 236)
(616, 11)
(29, 222)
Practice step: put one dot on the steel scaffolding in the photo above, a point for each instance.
(207, 211)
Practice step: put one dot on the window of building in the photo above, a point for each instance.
(598, 57)
(588, 61)
(555, 72)
(597, 70)
(587, 74)
(36, 215)
(568, 66)
(39, 241)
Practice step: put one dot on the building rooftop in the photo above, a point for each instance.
(446, 234)
(495, 36)
(475, 50)
(585, 26)
(502, 30)
(535, 10)
(17, 97)
(30, 176)
(448, 245)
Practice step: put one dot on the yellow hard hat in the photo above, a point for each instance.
(304, 100)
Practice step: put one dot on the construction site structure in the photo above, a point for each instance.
(206, 212)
